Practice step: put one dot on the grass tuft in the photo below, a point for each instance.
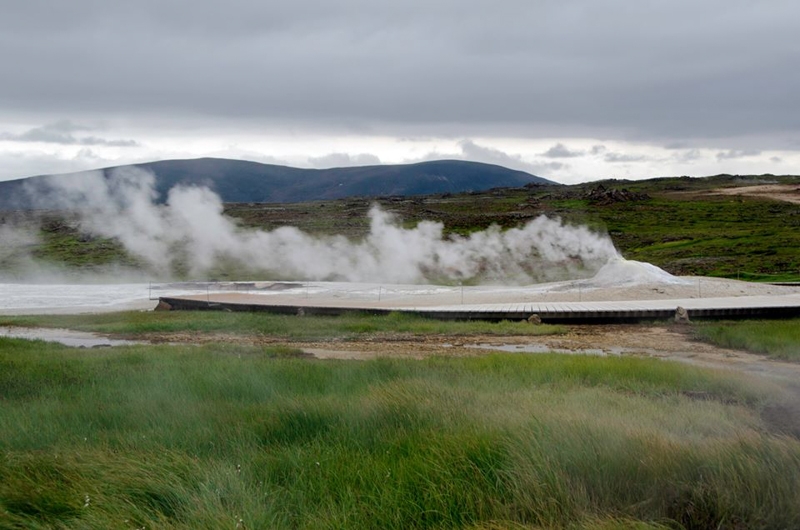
(778, 339)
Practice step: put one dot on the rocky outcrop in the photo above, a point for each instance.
(603, 195)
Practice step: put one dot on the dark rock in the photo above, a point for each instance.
(602, 195)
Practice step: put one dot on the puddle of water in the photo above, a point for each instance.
(322, 353)
(542, 348)
(68, 337)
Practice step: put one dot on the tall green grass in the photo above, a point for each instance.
(284, 326)
(779, 339)
(198, 437)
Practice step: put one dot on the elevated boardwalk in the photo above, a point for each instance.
(766, 306)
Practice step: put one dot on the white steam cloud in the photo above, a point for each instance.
(191, 229)
(15, 250)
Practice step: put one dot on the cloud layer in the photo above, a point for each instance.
(718, 75)
(62, 132)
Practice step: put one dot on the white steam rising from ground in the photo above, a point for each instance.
(191, 229)
(16, 242)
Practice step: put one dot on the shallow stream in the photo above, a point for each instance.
(68, 337)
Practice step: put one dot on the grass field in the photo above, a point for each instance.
(778, 339)
(227, 436)
(287, 327)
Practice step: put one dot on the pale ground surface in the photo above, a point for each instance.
(624, 280)
(778, 192)
(617, 280)
(331, 294)
(51, 299)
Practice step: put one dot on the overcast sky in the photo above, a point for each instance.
(571, 90)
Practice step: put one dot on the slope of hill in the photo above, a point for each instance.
(243, 181)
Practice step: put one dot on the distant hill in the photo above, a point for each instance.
(243, 181)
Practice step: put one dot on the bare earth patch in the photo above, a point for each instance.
(777, 192)
(672, 342)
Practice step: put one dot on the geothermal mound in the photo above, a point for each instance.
(621, 272)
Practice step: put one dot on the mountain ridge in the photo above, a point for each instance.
(246, 181)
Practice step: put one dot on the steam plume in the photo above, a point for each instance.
(191, 227)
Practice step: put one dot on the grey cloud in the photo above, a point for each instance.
(737, 153)
(487, 154)
(19, 164)
(598, 149)
(561, 151)
(470, 150)
(61, 132)
(65, 126)
(776, 159)
(689, 155)
(344, 160)
(544, 167)
(623, 157)
(677, 145)
(642, 70)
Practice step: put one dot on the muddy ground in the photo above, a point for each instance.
(668, 341)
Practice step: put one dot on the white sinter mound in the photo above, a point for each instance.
(622, 272)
